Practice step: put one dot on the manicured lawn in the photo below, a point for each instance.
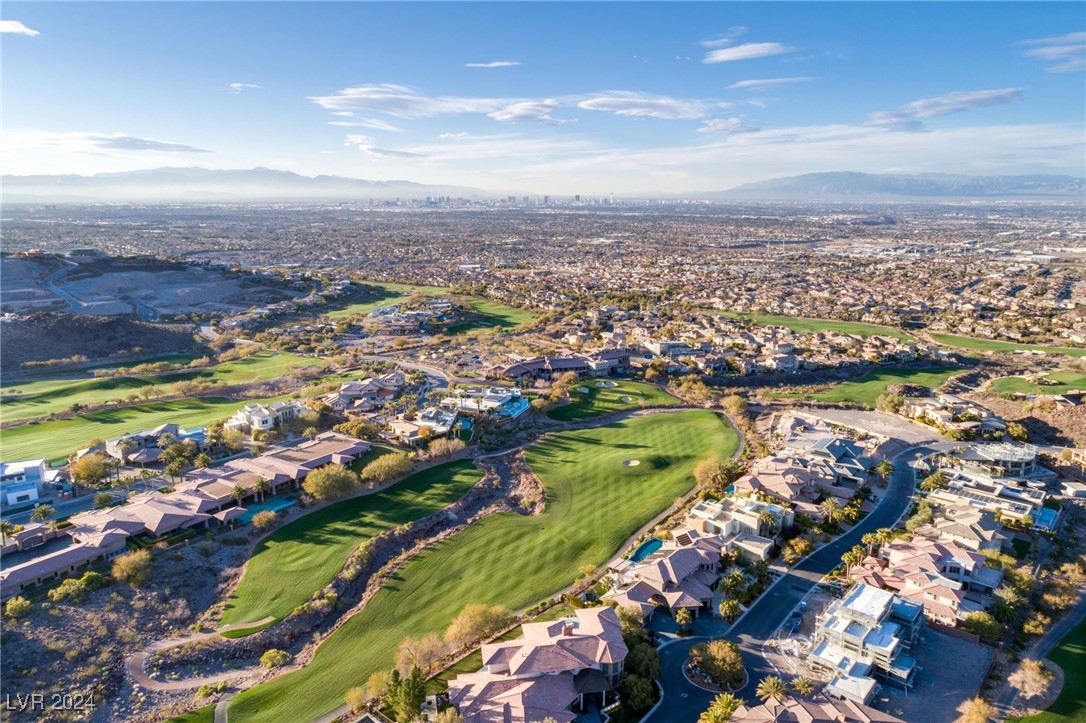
(1064, 382)
(59, 438)
(302, 557)
(800, 325)
(491, 314)
(598, 401)
(23, 400)
(387, 295)
(1070, 707)
(1007, 346)
(866, 389)
(594, 503)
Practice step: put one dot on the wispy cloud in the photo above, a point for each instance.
(1067, 53)
(724, 38)
(907, 116)
(631, 103)
(746, 51)
(16, 28)
(529, 110)
(374, 123)
(766, 83)
(239, 87)
(726, 126)
(366, 144)
(402, 101)
(80, 142)
(493, 64)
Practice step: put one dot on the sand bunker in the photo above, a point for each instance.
(606, 384)
(583, 390)
(631, 463)
(625, 399)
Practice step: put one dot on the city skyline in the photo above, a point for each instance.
(546, 98)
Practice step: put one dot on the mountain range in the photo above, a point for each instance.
(200, 185)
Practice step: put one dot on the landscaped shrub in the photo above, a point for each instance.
(386, 467)
(133, 567)
(265, 520)
(330, 481)
(18, 607)
(71, 590)
(274, 658)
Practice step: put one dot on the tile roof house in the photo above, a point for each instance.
(965, 526)
(253, 417)
(817, 709)
(545, 673)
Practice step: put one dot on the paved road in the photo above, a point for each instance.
(684, 701)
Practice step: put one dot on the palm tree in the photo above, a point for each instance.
(766, 521)
(262, 487)
(309, 432)
(166, 439)
(884, 536)
(832, 509)
(884, 469)
(771, 687)
(42, 513)
(721, 710)
(853, 557)
(126, 446)
(803, 686)
(175, 469)
(238, 493)
(203, 460)
(871, 539)
(729, 609)
(935, 481)
(6, 528)
(684, 618)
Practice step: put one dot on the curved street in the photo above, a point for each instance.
(682, 701)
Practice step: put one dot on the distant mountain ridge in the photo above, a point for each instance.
(924, 185)
(202, 184)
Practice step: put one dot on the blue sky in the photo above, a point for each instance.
(554, 98)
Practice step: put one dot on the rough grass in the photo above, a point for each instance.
(604, 400)
(866, 389)
(1003, 346)
(1065, 382)
(804, 325)
(59, 438)
(1070, 706)
(22, 400)
(200, 715)
(594, 504)
(300, 558)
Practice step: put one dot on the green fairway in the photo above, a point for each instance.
(299, 559)
(866, 389)
(59, 438)
(598, 401)
(594, 504)
(491, 313)
(200, 715)
(1003, 346)
(23, 400)
(1070, 707)
(803, 325)
(1063, 382)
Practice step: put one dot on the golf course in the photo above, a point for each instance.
(599, 399)
(967, 342)
(1070, 706)
(596, 500)
(491, 313)
(300, 558)
(1053, 383)
(866, 389)
(804, 325)
(24, 400)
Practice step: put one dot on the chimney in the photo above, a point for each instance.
(567, 630)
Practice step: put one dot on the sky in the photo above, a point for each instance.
(558, 98)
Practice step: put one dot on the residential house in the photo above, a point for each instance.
(553, 669)
(21, 482)
(427, 424)
(143, 447)
(965, 526)
(263, 417)
(866, 634)
(365, 395)
(674, 578)
(499, 402)
(816, 709)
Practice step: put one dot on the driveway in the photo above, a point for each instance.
(683, 701)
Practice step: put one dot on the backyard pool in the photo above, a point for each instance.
(645, 549)
(274, 504)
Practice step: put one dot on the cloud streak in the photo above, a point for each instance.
(908, 116)
(1066, 53)
(80, 142)
(726, 126)
(239, 87)
(493, 64)
(367, 145)
(14, 27)
(746, 51)
(633, 104)
(766, 83)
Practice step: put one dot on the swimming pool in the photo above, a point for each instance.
(645, 549)
(274, 504)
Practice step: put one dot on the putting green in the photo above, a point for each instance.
(594, 504)
(1059, 383)
(300, 558)
(598, 400)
